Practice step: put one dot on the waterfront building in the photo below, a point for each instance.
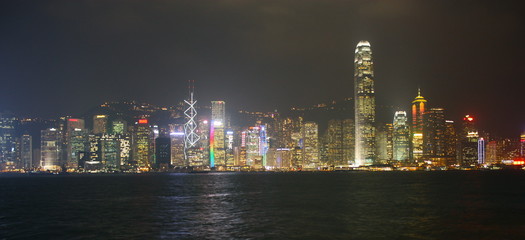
(201, 153)
(279, 158)
(142, 145)
(263, 144)
(163, 153)
(491, 153)
(364, 105)
(338, 143)
(110, 151)
(9, 156)
(74, 141)
(384, 143)
(310, 146)
(217, 126)
(26, 152)
(401, 137)
(230, 162)
(76, 144)
(348, 142)
(253, 156)
(297, 159)
(50, 148)
(481, 151)
(177, 146)
(418, 109)
(450, 139)
(434, 136)
(468, 142)
(333, 143)
(241, 151)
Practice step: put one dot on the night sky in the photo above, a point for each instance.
(64, 57)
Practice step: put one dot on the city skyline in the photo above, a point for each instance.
(270, 61)
(254, 119)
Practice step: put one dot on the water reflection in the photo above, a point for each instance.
(352, 205)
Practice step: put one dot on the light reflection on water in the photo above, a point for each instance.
(351, 205)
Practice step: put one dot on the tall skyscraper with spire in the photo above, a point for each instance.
(191, 138)
(418, 109)
(364, 105)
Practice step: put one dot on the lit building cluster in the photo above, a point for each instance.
(129, 136)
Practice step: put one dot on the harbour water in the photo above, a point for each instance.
(300, 205)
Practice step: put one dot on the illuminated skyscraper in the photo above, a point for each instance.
(481, 151)
(241, 153)
(76, 141)
(218, 123)
(468, 142)
(253, 150)
(450, 147)
(202, 148)
(310, 137)
(348, 142)
(218, 111)
(100, 124)
(125, 150)
(334, 143)
(9, 159)
(339, 143)
(263, 144)
(50, 149)
(229, 148)
(191, 138)
(142, 145)
(119, 126)
(434, 136)
(401, 137)
(110, 151)
(491, 156)
(177, 145)
(26, 152)
(163, 153)
(418, 109)
(364, 105)
(384, 143)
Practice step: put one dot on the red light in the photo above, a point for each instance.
(143, 121)
(468, 118)
(73, 120)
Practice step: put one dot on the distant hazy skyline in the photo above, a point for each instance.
(64, 57)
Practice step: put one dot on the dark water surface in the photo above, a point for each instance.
(346, 205)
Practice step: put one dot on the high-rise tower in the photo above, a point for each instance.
(401, 137)
(418, 109)
(218, 123)
(190, 126)
(468, 142)
(364, 105)
(310, 136)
